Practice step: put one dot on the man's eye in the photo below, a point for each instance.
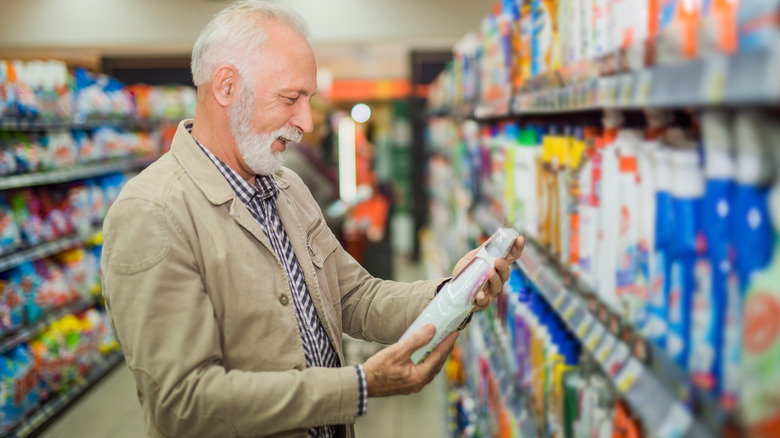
(290, 100)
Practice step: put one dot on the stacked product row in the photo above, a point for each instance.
(672, 226)
(47, 89)
(30, 152)
(565, 41)
(31, 216)
(53, 363)
(520, 357)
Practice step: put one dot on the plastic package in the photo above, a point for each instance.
(453, 304)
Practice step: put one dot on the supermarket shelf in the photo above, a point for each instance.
(29, 332)
(44, 124)
(57, 405)
(72, 174)
(656, 388)
(44, 250)
(748, 78)
(638, 382)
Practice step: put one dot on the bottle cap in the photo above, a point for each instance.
(501, 242)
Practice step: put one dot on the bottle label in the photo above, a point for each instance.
(637, 310)
(675, 344)
(702, 356)
(676, 284)
(762, 323)
(731, 376)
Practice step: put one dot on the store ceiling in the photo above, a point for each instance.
(353, 39)
(141, 27)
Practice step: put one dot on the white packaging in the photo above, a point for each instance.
(455, 301)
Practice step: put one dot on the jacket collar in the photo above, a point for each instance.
(203, 172)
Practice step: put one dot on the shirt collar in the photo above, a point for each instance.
(265, 186)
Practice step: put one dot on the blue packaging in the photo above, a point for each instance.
(712, 274)
(28, 383)
(685, 249)
(30, 284)
(758, 26)
(11, 301)
(657, 325)
(12, 402)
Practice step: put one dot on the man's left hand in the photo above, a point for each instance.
(497, 276)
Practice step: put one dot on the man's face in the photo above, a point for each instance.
(274, 109)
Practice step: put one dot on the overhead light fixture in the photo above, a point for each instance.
(361, 113)
(347, 165)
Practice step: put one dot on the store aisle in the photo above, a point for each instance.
(111, 410)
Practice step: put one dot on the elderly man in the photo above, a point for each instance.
(225, 287)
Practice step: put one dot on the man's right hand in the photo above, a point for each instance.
(392, 372)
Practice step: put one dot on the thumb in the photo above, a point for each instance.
(418, 340)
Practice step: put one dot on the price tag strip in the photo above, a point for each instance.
(594, 336)
(626, 89)
(629, 375)
(617, 358)
(605, 349)
(715, 79)
(644, 82)
(587, 322)
(562, 301)
(574, 314)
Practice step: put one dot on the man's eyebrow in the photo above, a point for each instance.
(300, 92)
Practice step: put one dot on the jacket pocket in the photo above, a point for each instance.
(321, 243)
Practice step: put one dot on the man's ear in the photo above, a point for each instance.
(225, 83)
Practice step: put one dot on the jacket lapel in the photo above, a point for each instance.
(212, 183)
(297, 234)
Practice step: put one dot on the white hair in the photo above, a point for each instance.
(236, 36)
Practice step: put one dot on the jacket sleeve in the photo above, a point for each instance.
(166, 325)
(379, 310)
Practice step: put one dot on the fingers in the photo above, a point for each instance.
(435, 361)
(418, 340)
(517, 250)
(464, 262)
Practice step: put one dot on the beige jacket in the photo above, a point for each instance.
(202, 308)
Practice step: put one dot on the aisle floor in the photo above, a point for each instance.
(111, 409)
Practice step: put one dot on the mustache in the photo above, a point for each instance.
(291, 134)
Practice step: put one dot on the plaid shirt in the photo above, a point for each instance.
(260, 200)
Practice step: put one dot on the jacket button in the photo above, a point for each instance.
(283, 299)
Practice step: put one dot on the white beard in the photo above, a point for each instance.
(255, 148)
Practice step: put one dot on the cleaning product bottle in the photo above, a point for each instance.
(752, 233)
(713, 270)
(586, 396)
(545, 194)
(609, 214)
(628, 224)
(455, 301)
(577, 153)
(645, 253)
(687, 193)
(564, 198)
(527, 154)
(510, 198)
(625, 426)
(554, 175)
(571, 386)
(761, 339)
(588, 212)
(657, 326)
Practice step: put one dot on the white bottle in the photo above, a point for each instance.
(609, 216)
(588, 230)
(646, 232)
(628, 222)
(455, 301)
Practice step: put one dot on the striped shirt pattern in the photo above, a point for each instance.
(260, 200)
